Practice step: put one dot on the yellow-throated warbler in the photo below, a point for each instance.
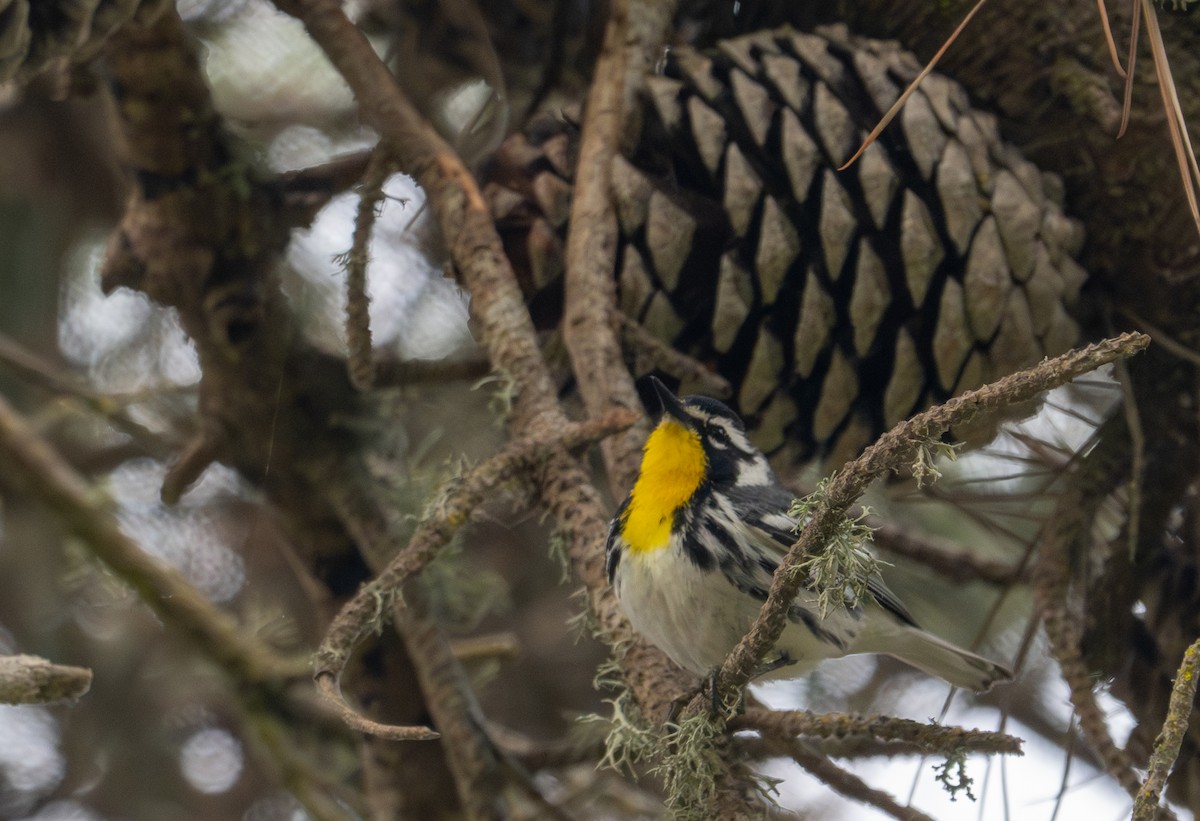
(692, 551)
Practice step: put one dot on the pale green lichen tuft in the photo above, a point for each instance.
(686, 757)
(841, 571)
(504, 395)
(952, 775)
(924, 466)
(583, 624)
(690, 766)
(629, 739)
(383, 600)
(559, 544)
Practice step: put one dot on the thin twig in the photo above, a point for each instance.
(495, 647)
(929, 737)
(393, 372)
(195, 458)
(306, 191)
(1137, 453)
(955, 564)
(112, 407)
(661, 356)
(1066, 775)
(363, 612)
(891, 113)
(544, 755)
(331, 689)
(1161, 337)
(40, 372)
(847, 784)
(34, 680)
(1166, 746)
(360, 362)
(160, 586)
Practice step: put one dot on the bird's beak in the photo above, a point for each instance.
(670, 404)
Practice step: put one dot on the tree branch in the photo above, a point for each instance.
(167, 593)
(955, 564)
(33, 680)
(590, 298)
(1065, 534)
(893, 451)
(1166, 748)
(504, 326)
(846, 783)
(361, 614)
(358, 318)
(927, 737)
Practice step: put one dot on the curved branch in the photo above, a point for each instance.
(362, 613)
(893, 451)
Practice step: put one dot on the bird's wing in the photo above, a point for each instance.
(781, 531)
(612, 556)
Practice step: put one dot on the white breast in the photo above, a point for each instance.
(693, 615)
(697, 617)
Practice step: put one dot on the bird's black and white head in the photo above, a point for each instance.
(697, 444)
(704, 436)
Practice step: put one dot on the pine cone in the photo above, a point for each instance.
(836, 303)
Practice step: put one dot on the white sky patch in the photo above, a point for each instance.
(211, 760)
(31, 763)
(304, 146)
(188, 537)
(263, 66)
(91, 324)
(415, 310)
(461, 107)
(126, 342)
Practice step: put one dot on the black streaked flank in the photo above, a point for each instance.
(801, 615)
(699, 555)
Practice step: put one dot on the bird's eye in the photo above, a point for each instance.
(718, 434)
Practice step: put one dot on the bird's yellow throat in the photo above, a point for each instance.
(673, 465)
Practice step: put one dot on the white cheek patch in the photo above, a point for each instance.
(756, 473)
(780, 522)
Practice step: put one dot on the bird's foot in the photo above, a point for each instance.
(777, 663)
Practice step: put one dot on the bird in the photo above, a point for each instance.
(692, 550)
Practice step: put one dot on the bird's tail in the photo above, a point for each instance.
(940, 658)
